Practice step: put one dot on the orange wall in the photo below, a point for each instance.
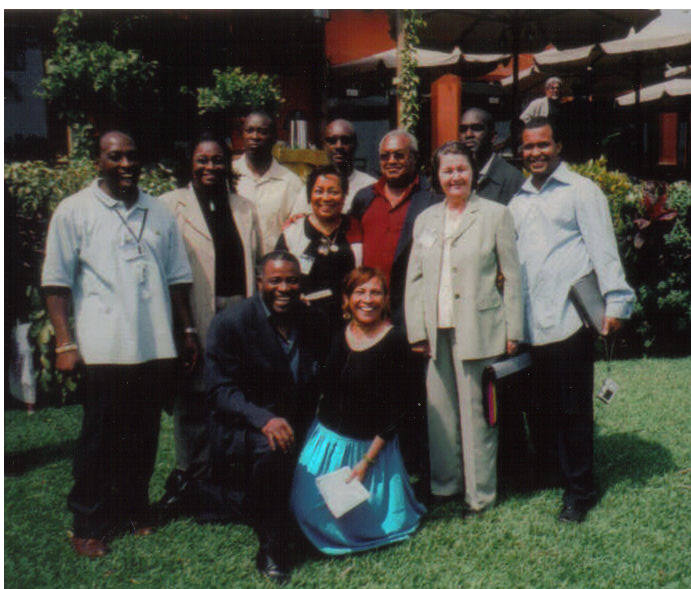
(353, 34)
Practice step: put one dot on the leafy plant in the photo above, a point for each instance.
(408, 81)
(82, 76)
(652, 226)
(234, 90)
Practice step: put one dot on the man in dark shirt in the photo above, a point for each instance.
(498, 180)
(387, 211)
(262, 359)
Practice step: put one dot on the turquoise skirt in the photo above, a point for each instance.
(390, 515)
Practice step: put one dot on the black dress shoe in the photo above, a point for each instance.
(571, 512)
(270, 569)
(175, 500)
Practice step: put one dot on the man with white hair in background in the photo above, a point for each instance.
(547, 105)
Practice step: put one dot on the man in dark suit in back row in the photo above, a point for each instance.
(262, 358)
(498, 180)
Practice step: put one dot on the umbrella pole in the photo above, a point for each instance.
(515, 33)
(639, 115)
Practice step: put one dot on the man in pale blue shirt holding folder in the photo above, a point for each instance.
(564, 232)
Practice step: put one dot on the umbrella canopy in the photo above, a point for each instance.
(518, 31)
(614, 65)
(671, 88)
(426, 58)
(509, 30)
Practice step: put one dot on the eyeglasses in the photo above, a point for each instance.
(475, 127)
(398, 156)
(344, 139)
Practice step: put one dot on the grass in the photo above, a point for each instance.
(637, 536)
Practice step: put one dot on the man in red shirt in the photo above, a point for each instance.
(387, 211)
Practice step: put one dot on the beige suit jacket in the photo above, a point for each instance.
(484, 317)
(200, 249)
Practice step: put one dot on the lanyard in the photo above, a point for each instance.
(141, 229)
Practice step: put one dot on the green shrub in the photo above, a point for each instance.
(32, 191)
(655, 247)
(235, 91)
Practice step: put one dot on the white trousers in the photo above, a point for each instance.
(463, 448)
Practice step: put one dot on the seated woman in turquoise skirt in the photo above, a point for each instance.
(363, 399)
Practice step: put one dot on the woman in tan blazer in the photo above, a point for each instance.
(463, 308)
(221, 234)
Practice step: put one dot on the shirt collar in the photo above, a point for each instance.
(275, 171)
(485, 169)
(270, 317)
(111, 202)
(561, 174)
(378, 187)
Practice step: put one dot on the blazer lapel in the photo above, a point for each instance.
(435, 225)
(193, 213)
(468, 217)
(419, 201)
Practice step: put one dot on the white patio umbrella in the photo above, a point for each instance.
(426, 58)
(672, 88)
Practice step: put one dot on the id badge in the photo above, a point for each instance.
(607, 391)
(131, 251)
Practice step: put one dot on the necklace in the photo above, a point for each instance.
(360, 340)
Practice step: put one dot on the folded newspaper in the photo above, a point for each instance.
(340, 497)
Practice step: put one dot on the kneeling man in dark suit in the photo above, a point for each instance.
(262, 358)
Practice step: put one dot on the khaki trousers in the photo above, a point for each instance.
(463, 449)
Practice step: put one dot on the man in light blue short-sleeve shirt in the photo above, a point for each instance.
(114, 253)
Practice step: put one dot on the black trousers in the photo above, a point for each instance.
(115, 453)
(561, 413)
(254, 488)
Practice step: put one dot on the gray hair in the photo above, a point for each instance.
(401, 133)
(554, 79)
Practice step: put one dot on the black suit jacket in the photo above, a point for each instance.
(501, 182)
(421, 198)
(248, 378)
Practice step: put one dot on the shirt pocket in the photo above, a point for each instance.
(488, 301)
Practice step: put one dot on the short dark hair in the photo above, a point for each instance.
(361, 275)
(325, 171)
(487, 118)
(454, 147)
(276, 256)
(96, 146)
(537, 122)
(266, 115)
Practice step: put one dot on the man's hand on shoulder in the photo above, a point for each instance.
(279, 433)
(292, 219)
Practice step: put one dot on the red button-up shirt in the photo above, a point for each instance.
(381, 227)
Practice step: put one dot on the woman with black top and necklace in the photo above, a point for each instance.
(364, 398)
(320, 241)
(221, 234)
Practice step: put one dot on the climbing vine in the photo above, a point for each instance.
(408, 81)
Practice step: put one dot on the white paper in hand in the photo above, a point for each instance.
(340, 497)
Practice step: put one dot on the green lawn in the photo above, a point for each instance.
(639, 535)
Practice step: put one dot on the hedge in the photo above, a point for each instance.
(652, 225)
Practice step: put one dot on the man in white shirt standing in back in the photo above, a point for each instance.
(276, 192)
(340, 143)
(115, 255)
(564, 233)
